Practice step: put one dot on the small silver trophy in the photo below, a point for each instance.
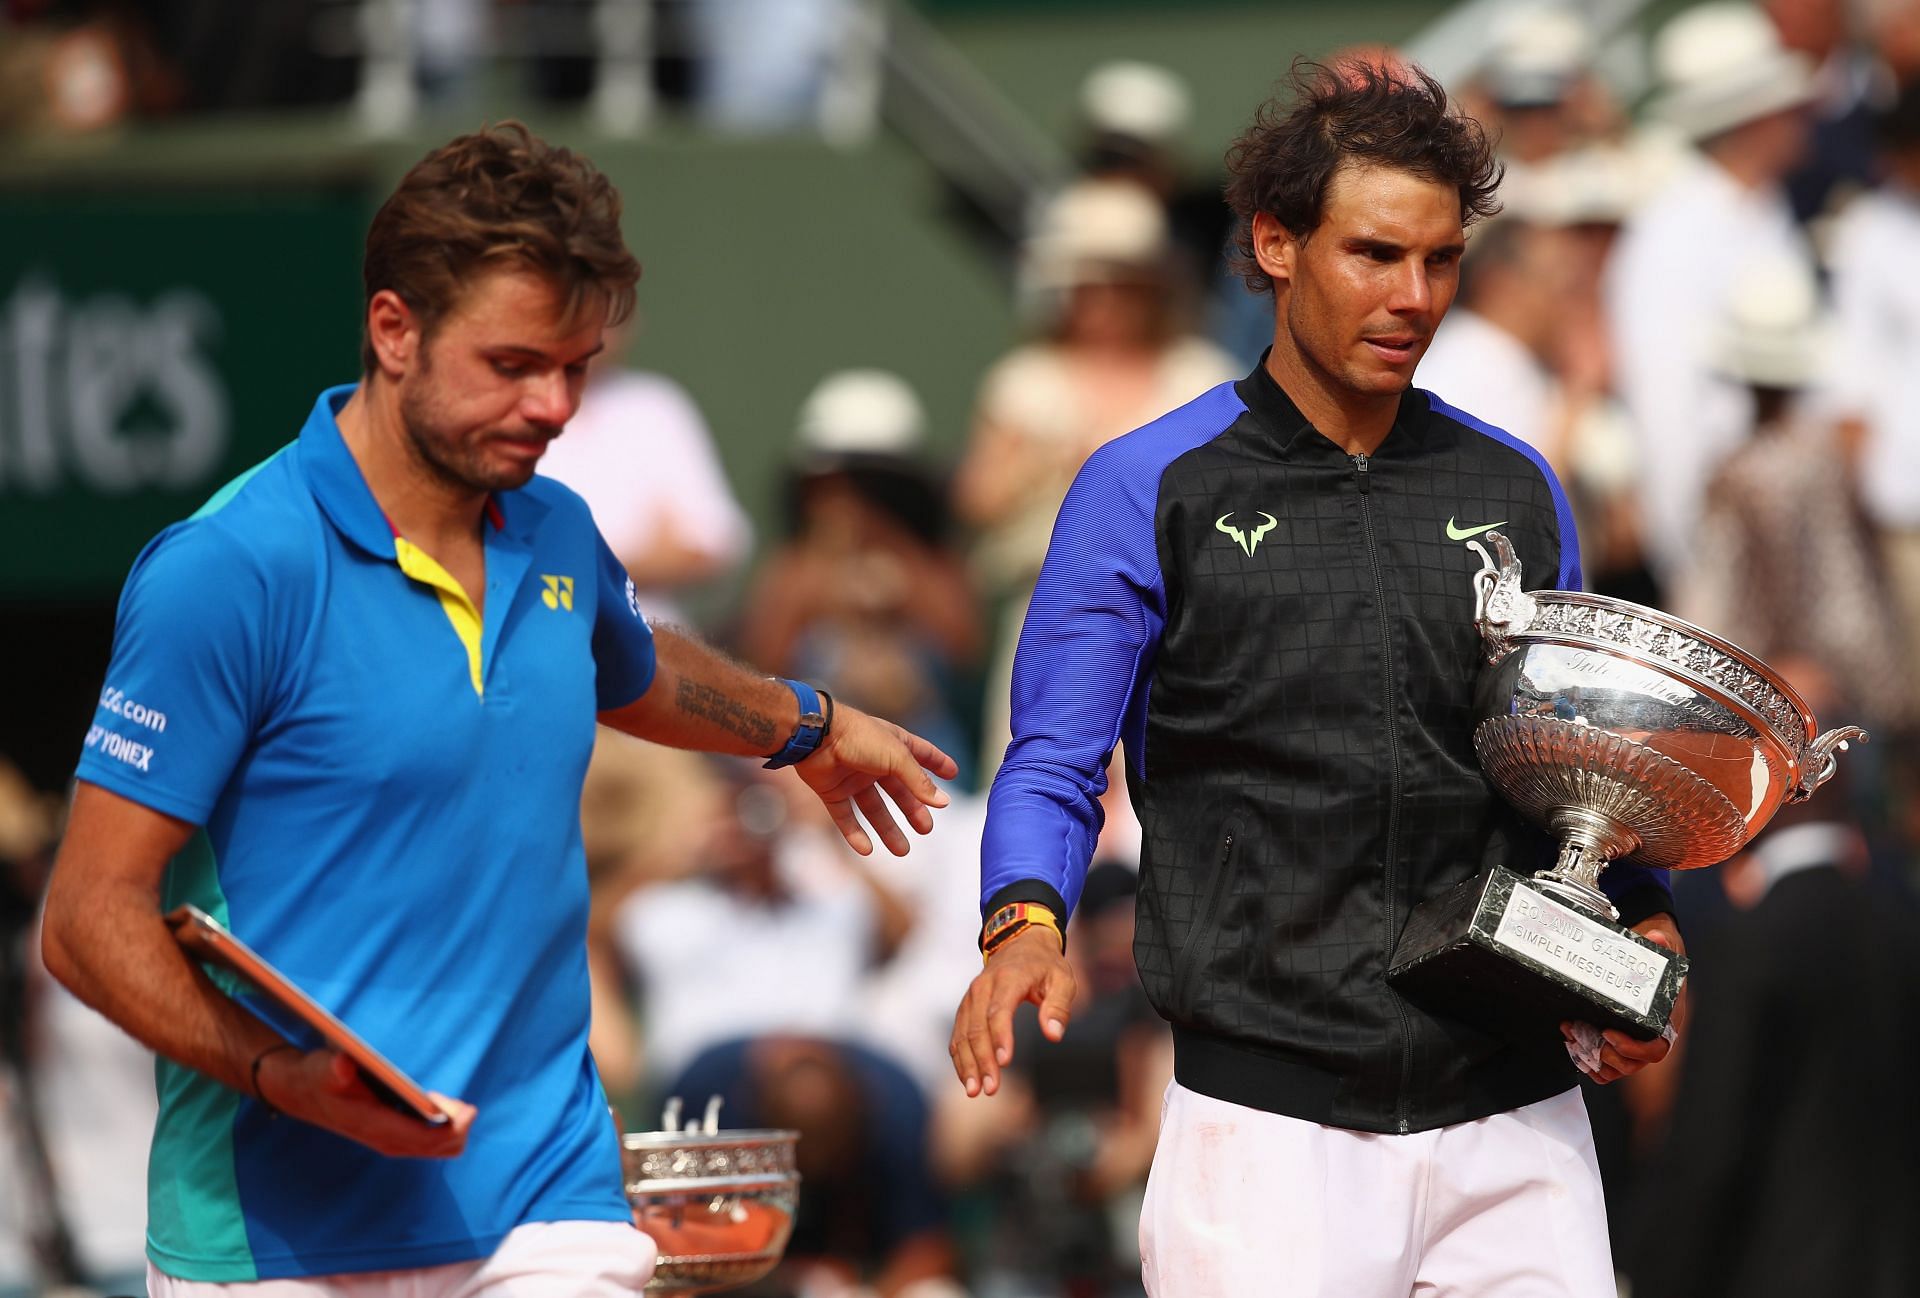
(718, 1204)
(1625, 733)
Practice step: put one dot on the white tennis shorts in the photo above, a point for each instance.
(554, 1259)
(1242, 1202)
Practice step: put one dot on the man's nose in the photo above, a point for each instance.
(548, 399)
(1412, 290)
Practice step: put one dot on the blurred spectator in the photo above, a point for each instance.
(1788, 1170)
(1783, 562)
(1839, 157)
(1063, 1147)
(751, 975)
(1490, 354)
(764, 64)
(1133, 115)
(1727, 83)
(871, 1222)
(1536, 92)
(76, 1095)
(773, 936)
(640, 454)
(906, 1004)
(1875, 260)
(1114, 356)
(80, 65)
(865, 589)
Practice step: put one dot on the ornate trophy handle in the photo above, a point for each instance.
(1819, 762)
(1501, 608)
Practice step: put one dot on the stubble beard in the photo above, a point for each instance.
(449, 459)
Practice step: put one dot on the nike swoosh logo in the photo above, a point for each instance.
(1457, 533)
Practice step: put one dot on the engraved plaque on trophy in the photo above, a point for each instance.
(1625, 733)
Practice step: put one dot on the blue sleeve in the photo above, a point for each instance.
(622, 641)
(189, 680)
(1079, 675)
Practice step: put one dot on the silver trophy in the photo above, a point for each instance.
(1625, 733)
(718, 1204)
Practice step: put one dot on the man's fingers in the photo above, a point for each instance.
(841, 809)
(1056, 1004)
(874, 808)
(926, 756)
(911, 806)
(980, 1043)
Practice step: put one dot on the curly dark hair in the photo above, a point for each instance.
(498, 195)
(1355, 110)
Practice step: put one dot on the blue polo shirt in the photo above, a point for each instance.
(388, 783)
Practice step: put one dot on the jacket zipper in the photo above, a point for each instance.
(1183, 976)
(1361, 468)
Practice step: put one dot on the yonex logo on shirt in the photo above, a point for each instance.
(559, 592)
(120, 748)
(1248, 542)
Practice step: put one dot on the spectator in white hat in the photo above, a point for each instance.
(1783, 562)
(1875, 260)
(1113, 355)
(1729, 86)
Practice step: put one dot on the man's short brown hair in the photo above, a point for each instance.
(498, 195)
(1371, 111)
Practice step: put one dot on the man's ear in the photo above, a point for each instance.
(394, 332)
(1275, 248)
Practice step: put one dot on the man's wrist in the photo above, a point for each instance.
(1015, 918)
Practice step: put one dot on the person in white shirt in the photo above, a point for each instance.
(1875, 264)
(1728, 84)
(640, 454)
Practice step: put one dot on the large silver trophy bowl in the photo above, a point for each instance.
(1625, 733)
(718, 1204)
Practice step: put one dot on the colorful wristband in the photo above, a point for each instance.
(1013, 919)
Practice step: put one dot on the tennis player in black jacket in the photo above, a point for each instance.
(1267, 596)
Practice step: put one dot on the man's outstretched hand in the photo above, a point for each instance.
(1029, 967)
(863, 757)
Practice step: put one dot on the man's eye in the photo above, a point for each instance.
(508, 369)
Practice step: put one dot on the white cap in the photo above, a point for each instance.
(1097, 230)
(1142, 100)
(1774, 330)
(1722, 65)
(1595, 185)
(1537, 52)
(862, 412)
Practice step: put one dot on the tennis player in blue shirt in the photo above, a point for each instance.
(348, 712)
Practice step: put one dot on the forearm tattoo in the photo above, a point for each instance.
(709, 704)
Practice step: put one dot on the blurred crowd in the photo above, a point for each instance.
(73, 66)
(1701, 303)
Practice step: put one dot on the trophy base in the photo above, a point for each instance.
(1503, 952)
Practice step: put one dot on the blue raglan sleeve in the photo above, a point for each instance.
(189, 679)
(623, 654)
(1079, 683)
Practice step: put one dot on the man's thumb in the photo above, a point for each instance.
(1056, 1004)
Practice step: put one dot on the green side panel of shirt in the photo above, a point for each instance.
(195, 1227)
(218, 500)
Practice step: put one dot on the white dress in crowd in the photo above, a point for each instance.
(1476, 366)
(1667, 287)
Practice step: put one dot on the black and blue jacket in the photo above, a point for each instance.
(1282, 636)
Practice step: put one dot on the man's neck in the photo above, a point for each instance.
(1356, 423)
(423, 507)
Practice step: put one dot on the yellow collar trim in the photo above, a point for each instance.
(426, 570)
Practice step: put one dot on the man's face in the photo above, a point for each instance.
(497, 380)
(1365, 291)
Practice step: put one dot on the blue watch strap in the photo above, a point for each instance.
(808, 733)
